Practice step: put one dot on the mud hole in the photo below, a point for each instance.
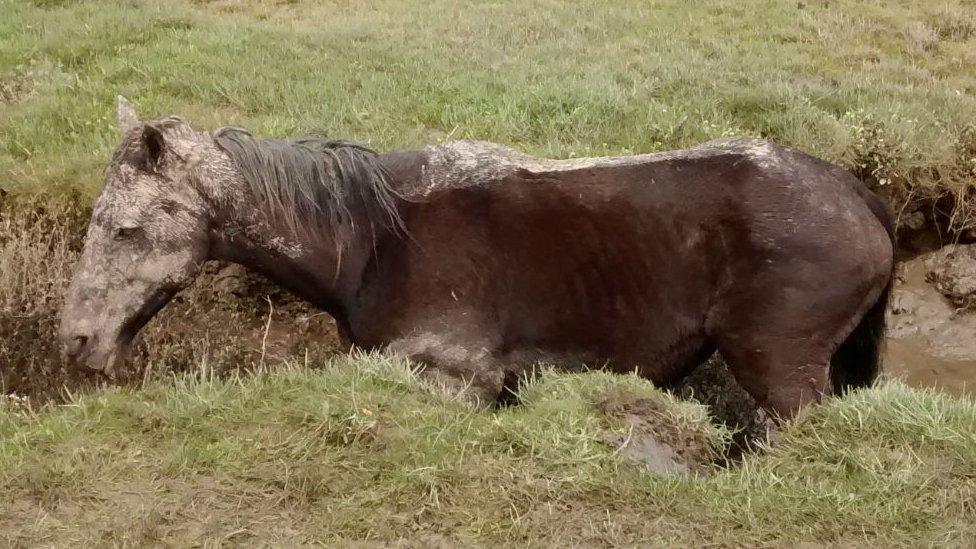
(932, 321)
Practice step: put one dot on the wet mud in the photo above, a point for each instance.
(932, 321)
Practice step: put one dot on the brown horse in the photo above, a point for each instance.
(480, 262)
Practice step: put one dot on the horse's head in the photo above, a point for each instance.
(147, 237)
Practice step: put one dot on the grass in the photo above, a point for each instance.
(363, 450)
(885, 88)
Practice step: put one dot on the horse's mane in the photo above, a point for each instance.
(311, 182)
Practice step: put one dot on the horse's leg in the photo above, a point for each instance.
(782, 375)
(469, 368)
(778, 335)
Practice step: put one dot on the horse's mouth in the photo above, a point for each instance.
(130, 328)
(104, 362)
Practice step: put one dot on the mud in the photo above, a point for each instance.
(231, 319)
(652, 439)
(952, 271)
(931, 324)
(712, 384)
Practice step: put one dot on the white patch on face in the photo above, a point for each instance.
(459, 164)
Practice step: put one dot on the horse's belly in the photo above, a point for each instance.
(659, 335)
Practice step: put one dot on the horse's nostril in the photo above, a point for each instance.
(75, 346)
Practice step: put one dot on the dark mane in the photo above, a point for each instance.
(311, 183)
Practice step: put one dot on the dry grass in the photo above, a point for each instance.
(40, 239)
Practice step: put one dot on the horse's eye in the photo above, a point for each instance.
(123, 233)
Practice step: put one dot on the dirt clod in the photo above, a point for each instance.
(952, 270)
(653, 439)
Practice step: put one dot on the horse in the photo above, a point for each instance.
(479, 262)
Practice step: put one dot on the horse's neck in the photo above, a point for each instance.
(306, 264)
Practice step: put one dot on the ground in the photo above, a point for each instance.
(197, 448)
(363, 450)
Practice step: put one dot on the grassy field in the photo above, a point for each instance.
(361, 450)
(886, 88)
(365, 451)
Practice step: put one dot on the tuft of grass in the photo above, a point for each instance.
(364, 450)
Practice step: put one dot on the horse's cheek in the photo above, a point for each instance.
(174, 268)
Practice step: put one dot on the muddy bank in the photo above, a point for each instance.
(932, 321)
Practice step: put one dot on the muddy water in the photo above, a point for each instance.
(930, 343)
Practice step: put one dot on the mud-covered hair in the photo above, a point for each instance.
(312, 183)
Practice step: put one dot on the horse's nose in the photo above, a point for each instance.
(75, 347)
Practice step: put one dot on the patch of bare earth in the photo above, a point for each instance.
(653, 440)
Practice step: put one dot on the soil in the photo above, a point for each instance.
(235, 316)
(931, 323)
(652, 439)
(952, 270)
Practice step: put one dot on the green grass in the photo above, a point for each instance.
(364, 450)
(886, 88)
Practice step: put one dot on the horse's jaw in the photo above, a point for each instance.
(98, 328)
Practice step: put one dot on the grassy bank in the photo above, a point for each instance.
(363, 450)
(885, 88)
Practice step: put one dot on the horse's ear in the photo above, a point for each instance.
(126, 114)
(153, 144)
